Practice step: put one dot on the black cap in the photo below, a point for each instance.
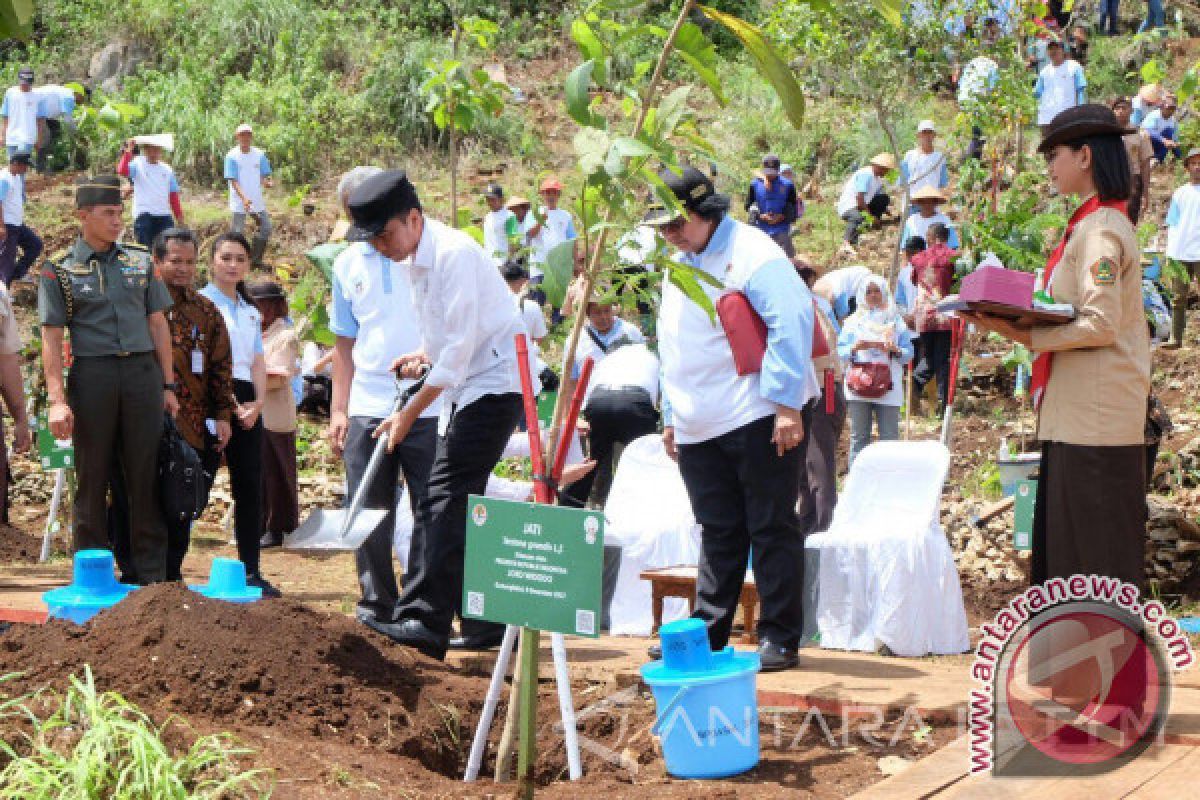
(514, 269)
(98, 190)
(266, 290)
(377, 200)
(21, 158)
(25, 75)
(691, 187)
(771, 160)
(494, 190)
(1090, 119)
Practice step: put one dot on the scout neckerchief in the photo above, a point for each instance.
(1041, 364)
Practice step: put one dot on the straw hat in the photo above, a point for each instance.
(884, 160)
(929, 193)
(515, 201)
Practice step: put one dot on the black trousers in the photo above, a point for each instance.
(744, 494)
(818, 471)
(179, 532)
(854, 218)
(243, 458)
(466, 455)
(413, 458)
(617, 416)
(118, 408)
(935, 350)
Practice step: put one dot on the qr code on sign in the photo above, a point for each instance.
(475, 603)
(585, 622)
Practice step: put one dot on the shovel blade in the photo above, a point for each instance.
(323, 530)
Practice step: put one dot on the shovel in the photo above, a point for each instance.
(347, 529)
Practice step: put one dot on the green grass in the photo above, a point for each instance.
(88, 744)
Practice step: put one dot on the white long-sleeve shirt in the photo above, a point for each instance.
(466, 317)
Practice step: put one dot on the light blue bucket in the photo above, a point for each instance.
(707, 704)
(93, 588)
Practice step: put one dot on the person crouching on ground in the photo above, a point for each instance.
(739, 439)
(281, 349)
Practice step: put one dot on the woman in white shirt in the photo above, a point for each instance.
(243, 455)
(875, 334)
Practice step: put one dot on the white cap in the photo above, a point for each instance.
(786, 168)
(243, 128)
(926, 125)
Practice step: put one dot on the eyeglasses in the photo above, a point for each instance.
(675, 225)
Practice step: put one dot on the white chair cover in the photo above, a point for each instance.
(649, 515)
(884, 570)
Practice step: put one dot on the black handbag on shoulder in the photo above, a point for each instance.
(182, 488)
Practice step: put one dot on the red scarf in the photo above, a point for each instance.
(1041, 364)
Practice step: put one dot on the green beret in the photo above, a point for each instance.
(98, 190)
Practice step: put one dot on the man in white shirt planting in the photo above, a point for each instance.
(468, 325)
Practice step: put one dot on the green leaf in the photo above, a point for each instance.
(591, 147)
(769, 63)
(109, 117)
(670, 111)
(16, 19)
(890, 10)
(591, 46)
(629, 147)
(474, 231)
(559, 267)
(706, 74)
(1152, 71)
(1187, 86)
(684, 278)
(579, 100)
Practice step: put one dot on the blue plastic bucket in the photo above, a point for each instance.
(707, 704)
(227, 581)
(93, 588)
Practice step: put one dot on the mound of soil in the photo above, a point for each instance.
(273, 664)
(18, 546)
(339, 712)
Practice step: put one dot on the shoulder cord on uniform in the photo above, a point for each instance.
(68, 297)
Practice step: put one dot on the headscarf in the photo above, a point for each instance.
(874, 316)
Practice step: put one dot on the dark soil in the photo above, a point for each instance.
(983, 599)
(335, 709)
(18, 546)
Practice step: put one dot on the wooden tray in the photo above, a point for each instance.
(1027, 316)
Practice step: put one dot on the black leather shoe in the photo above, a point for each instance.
(478, 641)
(262, 583)
(411, 633)
(655, 652)
(776, 657)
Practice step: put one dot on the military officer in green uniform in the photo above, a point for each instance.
(107, 295)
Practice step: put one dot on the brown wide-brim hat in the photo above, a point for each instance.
(929, 193)
(1090, 119)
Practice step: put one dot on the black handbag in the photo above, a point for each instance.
(182, 488)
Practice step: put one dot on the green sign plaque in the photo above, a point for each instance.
(52, 453)
(1026, 498)
(535, 566)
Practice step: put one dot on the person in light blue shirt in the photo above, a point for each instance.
(739, 435)
(1162, 126)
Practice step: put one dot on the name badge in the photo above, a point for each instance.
(197, 362)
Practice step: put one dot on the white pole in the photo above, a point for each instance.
(566, 704)
(490, 702)
(60, 480)
(946, 425)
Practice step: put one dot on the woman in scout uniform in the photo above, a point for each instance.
(1092, 375)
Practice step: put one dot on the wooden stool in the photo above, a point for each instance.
(681, 582)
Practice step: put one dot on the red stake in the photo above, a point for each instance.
(541, 489)
(957, 334)
(564, 441)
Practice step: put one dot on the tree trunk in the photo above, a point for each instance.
(453, 173)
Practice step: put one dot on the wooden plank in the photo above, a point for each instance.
(1121, 782)
(1177, 780)
(925, 778)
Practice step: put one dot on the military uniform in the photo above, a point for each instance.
(114, 389)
